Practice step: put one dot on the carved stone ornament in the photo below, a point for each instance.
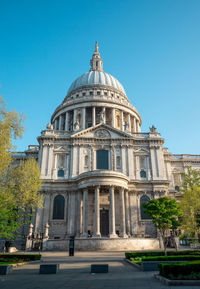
(102, 133)
(49, 126)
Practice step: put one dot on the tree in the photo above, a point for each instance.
(19, 184)
(190, 203)
(164, 213)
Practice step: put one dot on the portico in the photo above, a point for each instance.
(111, 194)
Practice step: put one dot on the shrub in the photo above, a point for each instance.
(182, 270)
(21, 257)
(172, 258)
(129, 255)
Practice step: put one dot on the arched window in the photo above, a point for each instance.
(143, 174)
(58, 207)
(177, 188)
(143, 200)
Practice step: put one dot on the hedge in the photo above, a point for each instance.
(129, 255)
(183, 270)
(172, 258)
(23, 257)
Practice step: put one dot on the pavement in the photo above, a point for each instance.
(75, 273)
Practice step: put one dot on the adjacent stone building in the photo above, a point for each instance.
(98, 168)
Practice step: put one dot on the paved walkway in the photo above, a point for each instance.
(75, 273)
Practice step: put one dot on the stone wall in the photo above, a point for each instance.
(92, 244)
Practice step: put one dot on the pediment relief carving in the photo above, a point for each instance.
(102, 133)
(141, 150)
(61, 149)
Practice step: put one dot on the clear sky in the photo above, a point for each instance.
(151, 46)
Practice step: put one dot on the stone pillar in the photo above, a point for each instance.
(67, 121)
(93, 116)
(122, 214)
(85, 213)
(122, 120)
(104, 113)
(137, 167)
(83, 118)
(50, 161)
(129, 122)
(74, 119)
(154, 170)
(127, 213)
(134, 124)
(46, 232)
(113, 117)
(112, 232)
(60, 122)
(96, 213)
(56, 124)
(137, 124)
(79, 214)
(44, 160)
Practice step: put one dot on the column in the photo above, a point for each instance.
(104, 115)
(46, 209)
(112, 232)
(93, 116)
(134, 124)
(127, 212)
(137, 167)
(122, 214)
(96, 213)
(50, 161)
(153, 163)
(85, 213)
(79, 214)
(137, 124)
(122, 120)
(123, 160)
(56, 124)
(113, 117)
(44, 160)
(74, 119)
(83, 118)
(129, 122)
(67, 121)
(60, 122)
(55, 166)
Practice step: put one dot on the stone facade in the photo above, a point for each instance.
(101, 207)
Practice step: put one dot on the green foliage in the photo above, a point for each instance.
(10, 127)
(130, 255)
(181, 270)
(190, 203)
(164, 213)
(172, 258)
(19, 184)
(16, 258)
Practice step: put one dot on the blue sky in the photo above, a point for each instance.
(151, 46)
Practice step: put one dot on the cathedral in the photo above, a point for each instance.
(98, 168)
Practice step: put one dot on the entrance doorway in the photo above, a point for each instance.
(104, 222)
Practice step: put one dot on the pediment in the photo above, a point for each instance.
(60, 149)
(141, 151)
(101, 131)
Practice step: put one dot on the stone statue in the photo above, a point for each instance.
(77, 125)
(49, 126)
(126, 125)
(153, 129)
(102, 116)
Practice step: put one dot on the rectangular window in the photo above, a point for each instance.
(102, 159)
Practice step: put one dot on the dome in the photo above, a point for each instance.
(95, 77)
